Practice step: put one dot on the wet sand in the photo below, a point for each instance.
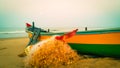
(10, 48)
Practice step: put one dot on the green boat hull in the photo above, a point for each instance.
(111, 50)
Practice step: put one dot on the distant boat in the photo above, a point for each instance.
(96, 42)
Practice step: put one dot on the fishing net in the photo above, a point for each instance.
(51, 52)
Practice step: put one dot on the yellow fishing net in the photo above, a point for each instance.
(51, 52)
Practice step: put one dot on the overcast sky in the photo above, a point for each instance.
(60, 13)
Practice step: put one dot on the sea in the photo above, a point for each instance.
(12, 32)
(15, 32)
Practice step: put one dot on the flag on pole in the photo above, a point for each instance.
(67, 35)
(28, 25)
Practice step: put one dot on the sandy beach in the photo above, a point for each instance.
(10, 48)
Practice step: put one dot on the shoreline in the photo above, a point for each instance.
(12, 38)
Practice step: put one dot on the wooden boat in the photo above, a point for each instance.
(99, 42)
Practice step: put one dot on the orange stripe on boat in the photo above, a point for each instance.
(44, 37)
(108, 38)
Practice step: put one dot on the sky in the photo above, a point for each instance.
(60, 13)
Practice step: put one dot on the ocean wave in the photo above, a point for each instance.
(11, 32)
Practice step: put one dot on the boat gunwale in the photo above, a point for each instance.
(103, 31)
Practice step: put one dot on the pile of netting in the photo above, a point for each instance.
(51, 52)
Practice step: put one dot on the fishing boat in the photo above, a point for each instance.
(96, 42)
